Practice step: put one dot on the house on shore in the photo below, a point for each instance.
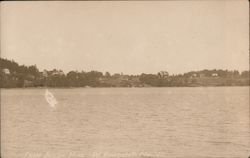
(45, 73)
(6, 71)
(215, 75)
(27, 83)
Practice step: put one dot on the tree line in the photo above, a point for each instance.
(14, 75)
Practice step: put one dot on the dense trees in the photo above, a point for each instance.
(15, 75)
(149, 79)
(245, 74)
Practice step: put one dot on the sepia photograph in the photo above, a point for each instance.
(125, 79)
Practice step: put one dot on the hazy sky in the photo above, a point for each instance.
(128, 37)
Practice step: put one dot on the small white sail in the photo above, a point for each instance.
(50, 98)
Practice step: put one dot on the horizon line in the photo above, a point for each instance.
(65, 72)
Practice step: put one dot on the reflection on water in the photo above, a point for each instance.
(126, 122)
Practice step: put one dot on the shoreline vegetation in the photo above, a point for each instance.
(13, 75)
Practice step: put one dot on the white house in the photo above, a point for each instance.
(45, 73)
(6, 71)
(215, 75)
(56, 72)
(194, 75)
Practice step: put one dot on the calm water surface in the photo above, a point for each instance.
(126, 122)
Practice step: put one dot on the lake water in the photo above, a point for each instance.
(126, 122)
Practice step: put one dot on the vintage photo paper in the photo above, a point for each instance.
(125, 79)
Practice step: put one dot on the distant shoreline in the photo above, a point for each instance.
(121, 87)
(13, 75)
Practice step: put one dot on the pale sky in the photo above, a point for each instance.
(127, 36)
